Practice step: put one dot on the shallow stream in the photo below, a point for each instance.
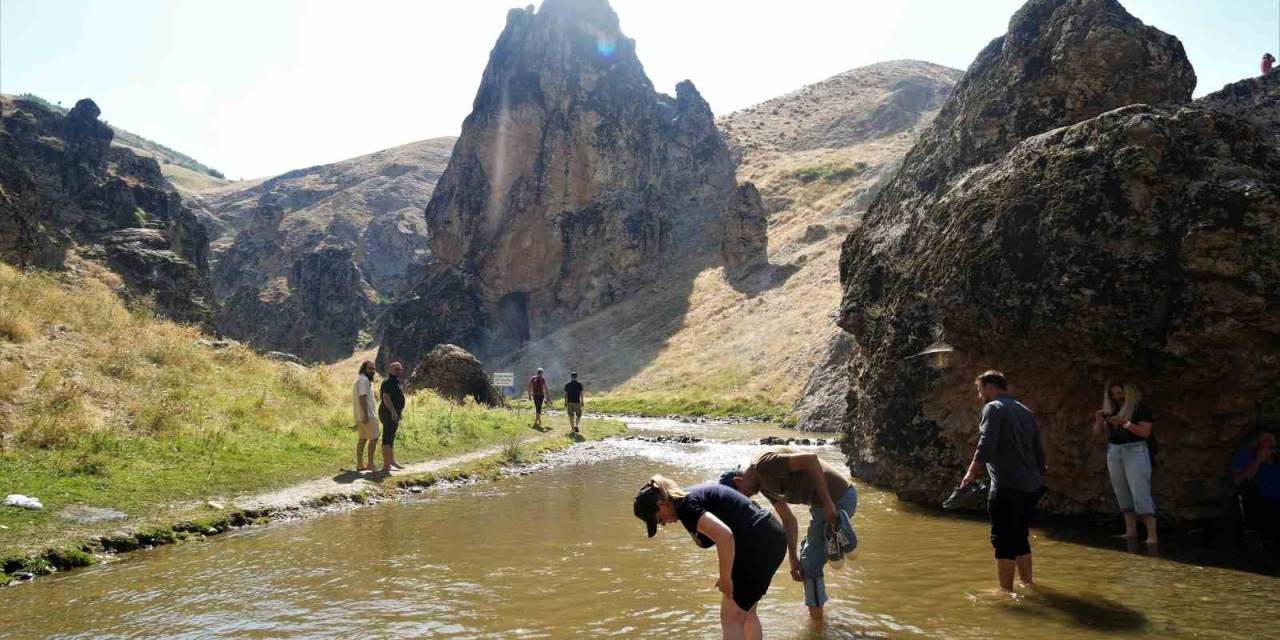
(557, 554)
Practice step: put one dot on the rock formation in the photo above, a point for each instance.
(1066, 220)
(65, 190)
(822, 402)
(1254, 99)
(455, 374)
(572, 184)
(307, 259)
(746, 232)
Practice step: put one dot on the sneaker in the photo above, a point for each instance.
(835, 556)
(848, 542)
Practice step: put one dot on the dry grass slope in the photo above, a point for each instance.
(106, 406)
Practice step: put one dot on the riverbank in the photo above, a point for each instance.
(755, 408)
(348, 489)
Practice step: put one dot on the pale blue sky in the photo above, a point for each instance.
(259, 87)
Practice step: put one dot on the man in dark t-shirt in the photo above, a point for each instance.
(573, 401)
(390, 413)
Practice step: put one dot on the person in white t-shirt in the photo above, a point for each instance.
(366, 415)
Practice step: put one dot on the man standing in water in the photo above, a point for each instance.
(537, 393)
(789, 476)
(366, 415)
(573, 401)
(390, 413)
(1009, 445)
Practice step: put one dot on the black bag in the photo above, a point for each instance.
(1153, 446)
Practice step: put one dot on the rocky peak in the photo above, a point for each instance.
(1061, 61)
(1068, 200)
(67, 190)
(571, 185)
(87, 138)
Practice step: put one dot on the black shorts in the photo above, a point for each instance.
(1010, 513)
(389, 427)
(756, 558)
(537, 404)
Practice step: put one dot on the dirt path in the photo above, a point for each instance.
(349, 482)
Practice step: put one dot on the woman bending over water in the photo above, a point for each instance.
(1127, 423)
(748, 540)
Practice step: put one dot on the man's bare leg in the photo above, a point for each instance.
(815, 613)
(360, 454)
(1150, 522)
(372, 448)
(1023, 563)
(1004, 572)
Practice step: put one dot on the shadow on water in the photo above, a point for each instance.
(1198, 547)
(1090, 611)
(1203, 547)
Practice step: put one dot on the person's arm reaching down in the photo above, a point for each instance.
(988, 436)
(715, 529)
(792, 528)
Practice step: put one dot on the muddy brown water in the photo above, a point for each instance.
(557, 554)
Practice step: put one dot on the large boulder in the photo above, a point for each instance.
(573, 182)
(455, 374)
(65, 190)
(1038, 229)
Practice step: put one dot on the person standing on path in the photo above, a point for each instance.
(749, 542)
(789, 476)
(391, 412)
(537, 393)
(366, 415)
(1130, 441)
(574, 398)
(1268, 61)
(1009, 445)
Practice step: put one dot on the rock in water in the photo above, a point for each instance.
(1045, 227)
(455, 374)
(65, 189)
(572, 183)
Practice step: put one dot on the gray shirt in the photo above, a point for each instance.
(1009, 445)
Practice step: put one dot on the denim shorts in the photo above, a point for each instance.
(1129, 466)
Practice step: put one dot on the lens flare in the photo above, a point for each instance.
(606, 45)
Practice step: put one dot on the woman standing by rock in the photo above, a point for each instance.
(749, 541)
(1127, 424)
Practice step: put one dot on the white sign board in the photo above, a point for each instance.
(504, 380)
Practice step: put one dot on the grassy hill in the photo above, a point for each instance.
(103, 406)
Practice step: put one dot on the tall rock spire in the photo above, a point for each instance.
(571, 185)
